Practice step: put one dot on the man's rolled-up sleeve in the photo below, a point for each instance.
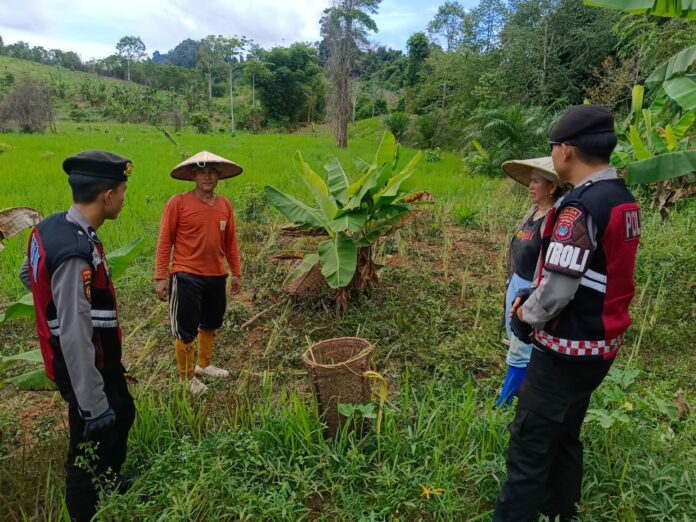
(75, 324)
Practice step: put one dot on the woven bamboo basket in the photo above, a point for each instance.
(336, 368)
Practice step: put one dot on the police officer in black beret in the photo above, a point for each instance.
(575, 317)
(78, 326)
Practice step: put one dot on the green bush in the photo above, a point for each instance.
(201, 122)
(397, 123)
(77, 115)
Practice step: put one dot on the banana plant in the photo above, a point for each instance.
(119, 260)
(656, 145)
(655, 142)
(351, 215)
(669, 8)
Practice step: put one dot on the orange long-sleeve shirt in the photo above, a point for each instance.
(202, 236)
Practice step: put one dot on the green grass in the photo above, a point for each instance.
(253, 450)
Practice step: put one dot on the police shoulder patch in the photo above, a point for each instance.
(87, 283)
(631, 224)
(565, 223)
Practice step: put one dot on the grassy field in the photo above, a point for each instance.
(253, 449)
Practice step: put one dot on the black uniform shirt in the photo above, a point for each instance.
(526, 246)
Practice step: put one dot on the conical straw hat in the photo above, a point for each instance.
(186, 170)
(522, 170)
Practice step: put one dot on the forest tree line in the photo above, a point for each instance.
(486, 81)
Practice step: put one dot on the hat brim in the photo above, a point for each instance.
(186, 170)
(521, 170)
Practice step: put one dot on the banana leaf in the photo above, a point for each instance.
(30, 356)
(388, 147)
(682, 89)
(637, 95)
(620, 158)
(121, 258)
(22, 308)
(34, 380)
(294, 209)
(392, 187)
(657, 143)
(659, 102)
(339, 259)
(338, 181)
(388, 212)
(639, 149)
(662, 168)
(684, 124)
(317, 187)
(669, 8)
(368, 182)
(353, 221)
(362, 165)
(678, 64)
(670, 139)
(386, 152)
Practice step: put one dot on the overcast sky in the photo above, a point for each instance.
(92, 27)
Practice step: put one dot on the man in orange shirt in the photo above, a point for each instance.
(199, 226)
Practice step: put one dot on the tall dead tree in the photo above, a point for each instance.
(345, 27)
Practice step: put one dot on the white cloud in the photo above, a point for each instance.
(92, 28)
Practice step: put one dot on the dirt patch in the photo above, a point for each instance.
(318, 502)
(39, 414)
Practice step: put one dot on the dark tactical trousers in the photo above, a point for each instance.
(80, 484)
(544, 460)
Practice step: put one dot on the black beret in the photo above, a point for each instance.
(99, 164)
(582, 120)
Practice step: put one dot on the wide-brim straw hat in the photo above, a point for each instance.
(521, 170)
(186, 170)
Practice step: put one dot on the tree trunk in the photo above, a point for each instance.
(343, 94)
(544, 70)
(209, 77)
(231, 102)
(364, 280)
(343, 103)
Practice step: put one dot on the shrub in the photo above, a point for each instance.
(29, 106)
(77, 115)
(201, 122)
(397, 123)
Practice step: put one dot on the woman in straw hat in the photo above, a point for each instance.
(199, 226)
(544, 189)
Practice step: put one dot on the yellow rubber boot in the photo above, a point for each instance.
(184, 359)
(206, 341)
